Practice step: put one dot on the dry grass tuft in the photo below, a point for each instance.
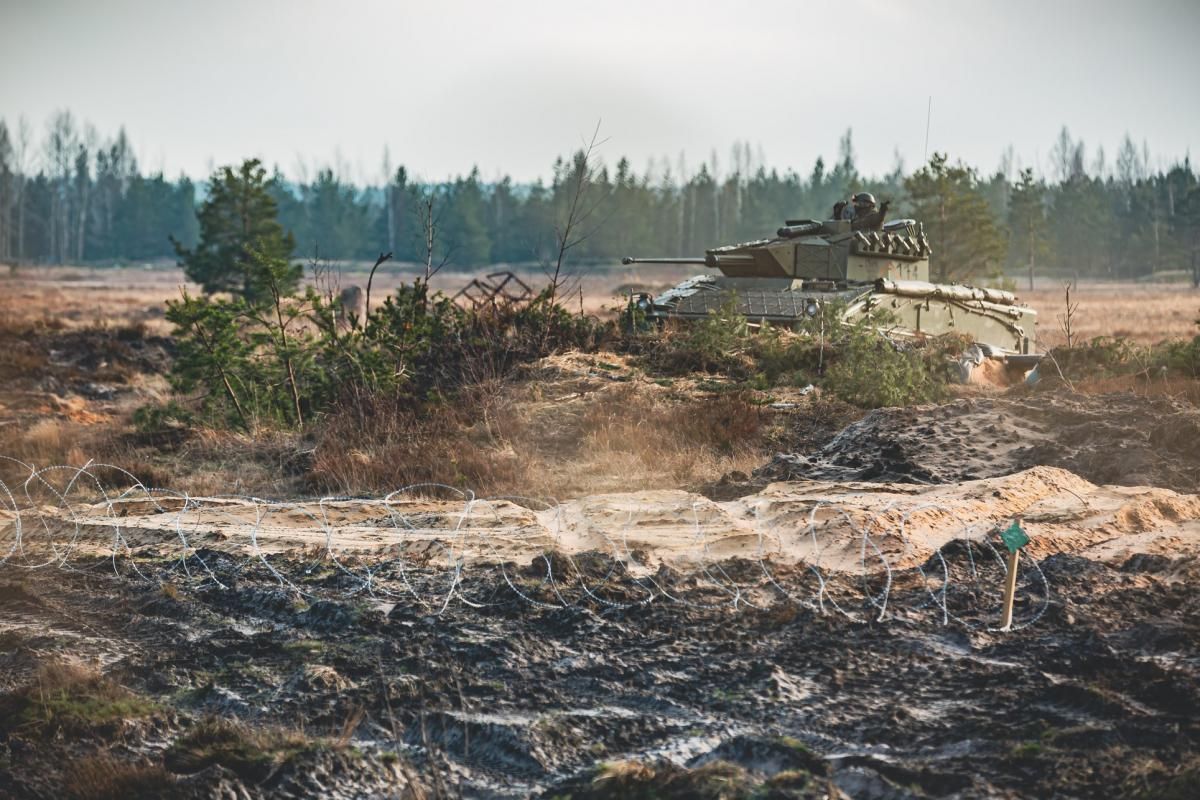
(715, 780)
(251, 753)
(553, 437)
(43, 442)
(70, 697)
(103, 777)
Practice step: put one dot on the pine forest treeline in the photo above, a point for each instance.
(67, 195)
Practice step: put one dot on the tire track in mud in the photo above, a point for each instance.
(516, 700)
(1121, 439)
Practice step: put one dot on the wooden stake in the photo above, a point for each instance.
(1010, 589)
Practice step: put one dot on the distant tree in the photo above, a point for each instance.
(237, 221)
(534, 221)
(628, 231)
(291, 211)
(397, 213)
(845, 177)
(1083, 237)
(115, 168)
(151, 206)
(1067, 157)
(701, 216)
(1027, 222)
(1191, 233)
(336, 223)
(466, 221)
(7, 191)
(964, 236)
(1130, 168)
(59, 151)
(1183, 197)
(502, 206)
(82, 190)
(21, 169)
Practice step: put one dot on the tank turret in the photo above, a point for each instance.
(808, 249)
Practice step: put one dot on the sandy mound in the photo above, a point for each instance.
(1110, 439)
(811, 521)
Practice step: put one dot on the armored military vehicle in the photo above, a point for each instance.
(810, 263)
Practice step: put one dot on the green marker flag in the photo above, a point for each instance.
(1014, 537)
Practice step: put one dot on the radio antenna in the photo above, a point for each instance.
(928, 115)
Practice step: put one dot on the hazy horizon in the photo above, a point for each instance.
(309, 84)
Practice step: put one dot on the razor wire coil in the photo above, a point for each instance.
(51, 518)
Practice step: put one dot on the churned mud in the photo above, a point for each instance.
(507, 698)
(1120, 438)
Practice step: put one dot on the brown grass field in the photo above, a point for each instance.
(1144, 314)
(74, 297)
(577, 427)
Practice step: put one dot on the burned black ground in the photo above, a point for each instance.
(341, 692)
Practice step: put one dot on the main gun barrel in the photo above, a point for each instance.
(631, 260)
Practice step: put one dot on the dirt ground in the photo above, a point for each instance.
(503, 698)
(816, 617)
(820, 523)
(1118, 438)
(655, 643)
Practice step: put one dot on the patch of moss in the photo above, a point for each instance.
(793, 743)
(66, 709)
(1026, 750)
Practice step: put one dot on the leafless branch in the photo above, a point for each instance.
(327, 278)
(571, 231)
(1066, 320)
(429, 216)
(382, 258)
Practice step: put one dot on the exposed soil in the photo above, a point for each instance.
(818, 523)
(80, 376)
(467, 672)
(381, 691)
(1123, 439)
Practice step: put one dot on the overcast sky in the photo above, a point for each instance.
(446, 84)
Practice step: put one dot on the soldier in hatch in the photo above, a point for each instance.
(861, 211)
